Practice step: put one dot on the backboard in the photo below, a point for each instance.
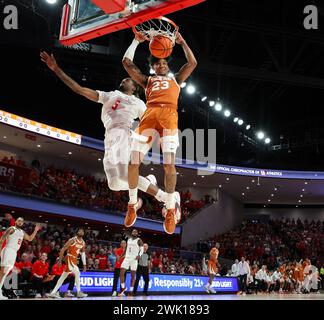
(83, 20)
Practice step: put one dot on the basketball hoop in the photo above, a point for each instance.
(160, 26)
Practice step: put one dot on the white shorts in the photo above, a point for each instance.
(117, 147)
(130, 264)
(8, 257)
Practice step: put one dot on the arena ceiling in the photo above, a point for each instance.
(254, 55)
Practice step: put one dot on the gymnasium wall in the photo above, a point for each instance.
(220, 217)
(279, 213)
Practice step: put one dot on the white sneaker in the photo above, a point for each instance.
(152, 179)
(68, 294)
(3, 297)
(81, 295)
(211, 290)
(207, 288)
(114, 294)
(55, 295)
(38, 295)
(122, 293)
(177, 199)
(178, 205)
(243, 294)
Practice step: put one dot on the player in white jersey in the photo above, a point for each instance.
(132, 253)
(14, 236)
(120, 109)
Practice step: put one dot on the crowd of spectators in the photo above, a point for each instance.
(72, 188)
(273, 242)
(288, 272)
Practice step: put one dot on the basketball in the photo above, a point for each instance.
(161, 47)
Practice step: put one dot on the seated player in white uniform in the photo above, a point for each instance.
(134, 250)
(120, 108)
(14, 236)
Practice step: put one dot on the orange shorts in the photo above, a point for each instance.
(212, 267)
(163, 120)
(71, 263)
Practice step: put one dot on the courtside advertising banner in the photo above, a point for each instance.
(159, 283)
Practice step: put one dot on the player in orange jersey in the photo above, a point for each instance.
(74, 247)
(212, 268)
(161, 117)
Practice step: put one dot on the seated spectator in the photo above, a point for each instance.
(39, 273)
(24, 268)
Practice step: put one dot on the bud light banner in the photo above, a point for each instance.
(159, 283)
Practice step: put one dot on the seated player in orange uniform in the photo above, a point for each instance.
(74, 247)
(161, 118)
(212, 268)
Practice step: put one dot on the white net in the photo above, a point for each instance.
(157, 27)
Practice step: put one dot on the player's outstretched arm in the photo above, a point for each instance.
(33, 235)
(186, 70)
(133, 71)
(4, 237)
(50, 61)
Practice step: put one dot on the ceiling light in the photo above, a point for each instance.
(4, 137)
(38, 146)
(191, 89)
(236, 119)
(248, 127)
(70, 152)
(227, 113)
(194, 183)
(183, 85)
(218, 106)
(170, 75)
(211, 103)
(204, 99)
(267, 140)
(260, 135)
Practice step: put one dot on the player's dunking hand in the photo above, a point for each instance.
(179, 39)
(141, 38)
(49, 60)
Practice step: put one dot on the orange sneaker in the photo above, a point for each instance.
(170, 221)
(131, 215)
